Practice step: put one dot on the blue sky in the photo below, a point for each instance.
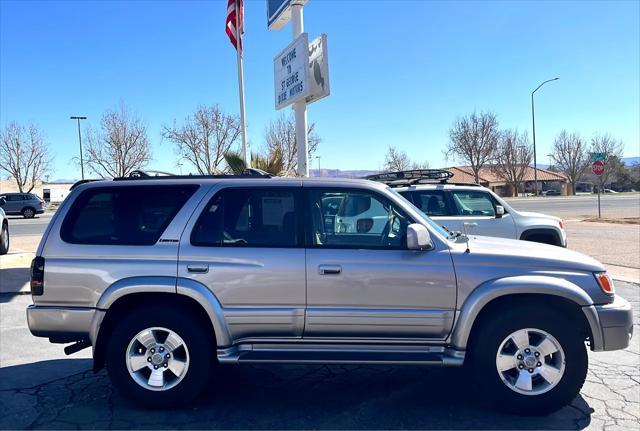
(401, 72)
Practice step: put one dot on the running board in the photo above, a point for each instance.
(246, 354)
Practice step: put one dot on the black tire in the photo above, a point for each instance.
(28, 212)
(4, 239)
(201, 354)
(487, 340)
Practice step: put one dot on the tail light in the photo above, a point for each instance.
(561, 225)
(605, 282)
(37, 276)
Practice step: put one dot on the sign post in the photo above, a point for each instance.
(293, 83)
(598, 170)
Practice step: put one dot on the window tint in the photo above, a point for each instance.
(14, 198)
(362, 220)
(124, 215)
(431, 202)
(249, 218)
(473, 203)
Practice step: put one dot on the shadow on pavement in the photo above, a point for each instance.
(13, 281)
(268, 397)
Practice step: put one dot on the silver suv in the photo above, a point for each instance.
(169, 278)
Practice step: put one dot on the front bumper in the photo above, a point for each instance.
(64, 325)
(615, 323)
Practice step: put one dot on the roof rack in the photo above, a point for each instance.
(159, 175)
(413, 176)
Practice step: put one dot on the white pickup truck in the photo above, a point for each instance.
(472, 209)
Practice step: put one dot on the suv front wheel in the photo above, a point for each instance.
(159, 357)
(528, 361)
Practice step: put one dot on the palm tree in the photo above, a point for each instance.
(272, 163)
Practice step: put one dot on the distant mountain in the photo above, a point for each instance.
(631, 160)
(338, 173)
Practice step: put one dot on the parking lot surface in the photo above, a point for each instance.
(41, 388)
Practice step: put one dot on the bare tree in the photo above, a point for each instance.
(473, 140)
(24, 155)
(612, 150)
(570, 156)
(205, 137)
(512, 158)
(120, 146)
(396, 160)
(280, 136)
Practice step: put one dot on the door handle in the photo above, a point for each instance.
(470, 224)
(329, 269)
(198, 269)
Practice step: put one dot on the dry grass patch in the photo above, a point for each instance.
(625, 220)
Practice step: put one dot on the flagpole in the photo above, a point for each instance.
(243, 124)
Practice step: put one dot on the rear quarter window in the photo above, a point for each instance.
(134, 215)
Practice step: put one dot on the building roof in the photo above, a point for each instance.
(464, 174)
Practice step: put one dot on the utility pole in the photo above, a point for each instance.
(319, 171)
(80, 141)
(533, 120)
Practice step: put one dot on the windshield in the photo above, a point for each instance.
(445, 233)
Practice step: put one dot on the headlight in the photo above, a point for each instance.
(605, 282)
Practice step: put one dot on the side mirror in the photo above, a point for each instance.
(3, 201)
(499, 211)
(418, 237)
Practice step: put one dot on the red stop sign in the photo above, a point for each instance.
(598, 167)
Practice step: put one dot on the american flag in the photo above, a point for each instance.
(235, 10)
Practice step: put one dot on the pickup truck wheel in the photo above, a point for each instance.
(529, 365)
(159, 357)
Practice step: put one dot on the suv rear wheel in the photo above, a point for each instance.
(159, 357)
(28, 213)
(529, 361)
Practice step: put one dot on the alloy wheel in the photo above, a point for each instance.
(530, 361)
(157, 359)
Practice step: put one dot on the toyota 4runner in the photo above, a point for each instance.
(167, 278)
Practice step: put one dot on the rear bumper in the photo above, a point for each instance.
(616, 324)
(63, 325)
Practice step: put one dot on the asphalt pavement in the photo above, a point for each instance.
(581, 206)
(20, 226)
(40, 388)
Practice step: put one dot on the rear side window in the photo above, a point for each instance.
(264, 217)
(124, 215)
(431, 202)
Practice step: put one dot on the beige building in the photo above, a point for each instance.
(54, 192)
(547, 180)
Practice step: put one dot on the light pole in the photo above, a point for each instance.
(550, 160)
(533, 120)
(80, 141)
(319, 171)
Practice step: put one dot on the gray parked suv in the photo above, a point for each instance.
(169, 277)
(24, 204)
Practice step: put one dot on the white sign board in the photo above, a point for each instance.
(318, 69)
(291, 72)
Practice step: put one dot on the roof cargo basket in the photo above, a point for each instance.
(413, 176)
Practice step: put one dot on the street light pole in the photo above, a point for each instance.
(319, 171)
(80, 141)
(533, 120)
